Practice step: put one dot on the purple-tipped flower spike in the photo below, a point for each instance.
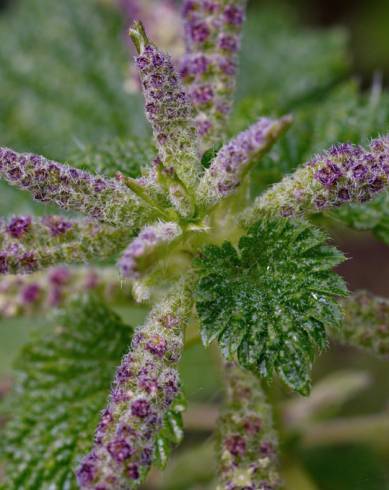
(146, 384)
(366, 323)
(37, 293)
(70, 188)
(168, 109)
(247, 443)
(28, 244)
(212, 34)
(345, 173)
(236, 158)
(162, 19)
(149, 246)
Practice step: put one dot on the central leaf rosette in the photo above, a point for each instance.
(270, 301)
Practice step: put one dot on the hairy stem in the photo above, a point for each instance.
(247, 443)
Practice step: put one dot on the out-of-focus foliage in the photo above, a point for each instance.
(63, 66)
(109, 158)
(373, 216)
(285, 63)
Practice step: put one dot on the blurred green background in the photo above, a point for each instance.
(56, 97)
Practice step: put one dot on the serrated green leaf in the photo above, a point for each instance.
(271, 300)
(171, 433)
(63, 383)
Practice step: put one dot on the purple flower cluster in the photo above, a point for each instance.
(19, 226)
(146, 384)
(236, 157)
(351, 173)
(247, 445)
(212, 34)
(38, 292)
(168, 109)
(70, 188)
(142, 250)
(28, 244)
(344, 174)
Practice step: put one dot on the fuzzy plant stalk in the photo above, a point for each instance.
(209, 67)
(247, 445)
(145, 386)
(254, 274)
(160, 17)
(28, 244)
(170, 114)
(40, 292)
(344, 174)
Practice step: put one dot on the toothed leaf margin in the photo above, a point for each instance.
(271, 300)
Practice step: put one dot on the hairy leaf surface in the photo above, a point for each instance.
(271, 300)
(113, 156)
(372, 216)
(171, 433)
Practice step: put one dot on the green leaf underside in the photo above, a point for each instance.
(372, 216)
(171, 433)
(271, 301)
(63, 383)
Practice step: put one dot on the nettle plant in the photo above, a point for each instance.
(252, 273)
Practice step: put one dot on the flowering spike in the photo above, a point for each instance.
(146, 384)
(247, 443)
(28, 244)
(37, 293)
(236, 158)
(212, 34)
(162, 19)
(366, 323)
(74, 189)
(344, 174)
(150, 245)
(168, 111)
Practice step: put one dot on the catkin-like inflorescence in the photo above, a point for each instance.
(70, 188)
(212, 34)
(246, 443)
(28, 244)
(366, 323)
(39, 292)
(236, 158)
(344, 174)
(168, 109)
(162, 19)
(146, 384)
(151, 243)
